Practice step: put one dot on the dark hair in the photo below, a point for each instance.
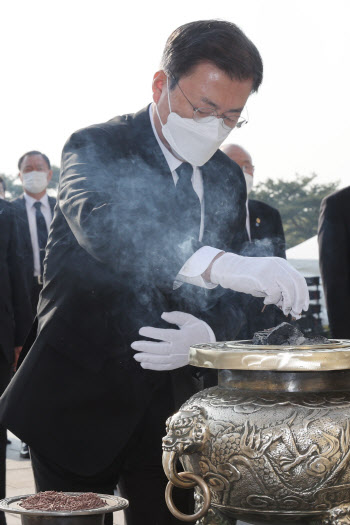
(3, 183)
(216, 41)
(29, 153)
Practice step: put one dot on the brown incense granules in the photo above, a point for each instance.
(56, 501)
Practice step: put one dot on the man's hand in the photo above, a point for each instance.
(18, 350)
(270, 277)
(171, 349)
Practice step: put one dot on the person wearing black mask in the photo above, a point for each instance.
(147, 214)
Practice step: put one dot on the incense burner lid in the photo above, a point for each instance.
(243, 355)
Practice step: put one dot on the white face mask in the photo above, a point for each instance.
(192, 141)
(249, 180)
(35, 181)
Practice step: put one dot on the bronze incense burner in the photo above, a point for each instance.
(270, 443)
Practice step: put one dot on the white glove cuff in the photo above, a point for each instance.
(223, 269)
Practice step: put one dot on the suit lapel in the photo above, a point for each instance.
(23, 223)
(149, 150)
(147, 142)
(221, 212)
(218, 211)
(212, 195)
(255, 220)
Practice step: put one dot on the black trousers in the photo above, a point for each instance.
(5, 377)
(137, 471)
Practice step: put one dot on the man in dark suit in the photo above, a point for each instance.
(266, 238)
(264, 224)
(15, 316)
(130, 240)
(334, 249)
(34, 210)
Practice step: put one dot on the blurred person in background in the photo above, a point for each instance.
(34, 210)
(263, 222)
(15, 314)
(334, 257)
(266, 239)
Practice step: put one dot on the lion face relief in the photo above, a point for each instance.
(186, 431)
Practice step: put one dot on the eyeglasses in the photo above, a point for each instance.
(203, 115)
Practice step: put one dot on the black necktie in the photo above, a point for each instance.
(42, 232)
(187, 201)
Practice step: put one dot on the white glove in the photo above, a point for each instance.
(173, 349)
(270, 277)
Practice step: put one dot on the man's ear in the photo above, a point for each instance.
(158, 84)
(49, 176)
(20, 176)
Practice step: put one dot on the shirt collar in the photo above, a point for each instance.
(172, 161)
(31, 201)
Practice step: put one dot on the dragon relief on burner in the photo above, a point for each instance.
(281, 455)
(185, 431)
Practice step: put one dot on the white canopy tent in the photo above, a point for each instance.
(304, 258)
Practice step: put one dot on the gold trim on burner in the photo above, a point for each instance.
(242, 355)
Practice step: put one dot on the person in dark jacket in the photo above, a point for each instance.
(2, 188)
(134, 253)
(264, 224)
(15, 313)
(34, 211)
(334, 250)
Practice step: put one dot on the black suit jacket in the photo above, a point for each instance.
(15, 308)
(334, 251)
(19, 205)
(115, 247)
(266, 229)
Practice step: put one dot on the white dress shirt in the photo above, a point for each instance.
(247, 222)
(31, 214)
(192, 270)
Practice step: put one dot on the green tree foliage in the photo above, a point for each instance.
(14, 187)
(298, 202)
